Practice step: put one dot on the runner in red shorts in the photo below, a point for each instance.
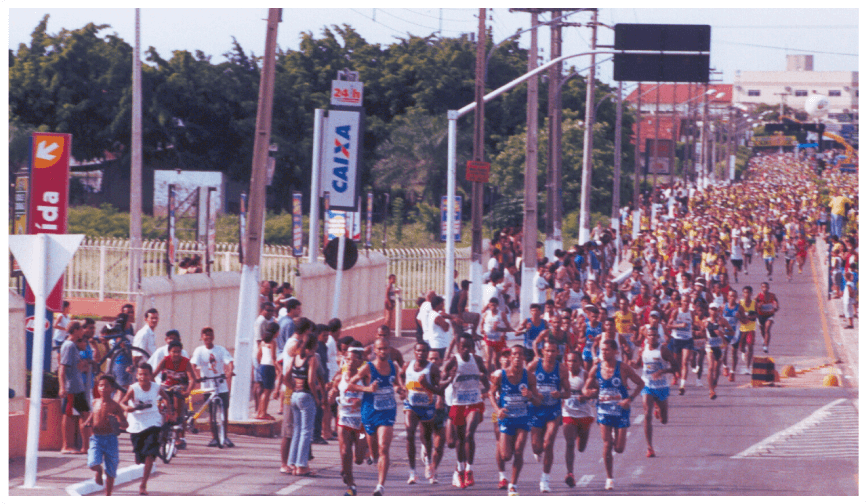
(469, 378)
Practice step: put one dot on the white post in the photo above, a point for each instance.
(102, 271)
(450, 208)
(338, 279)
(248, 306)
(313, 235)
(398, 312)
(636, 223)
(40, 291)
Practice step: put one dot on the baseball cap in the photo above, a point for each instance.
(656, 314)
(714, 305)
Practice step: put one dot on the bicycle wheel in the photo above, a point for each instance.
(218, 422)
(168, 442)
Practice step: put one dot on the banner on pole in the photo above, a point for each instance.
(242, 227)
(297, 231)
(369, 231)
(49, 196)
(444, 218)
(172, 246)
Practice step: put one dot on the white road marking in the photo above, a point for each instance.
(638, 471)
(124, 475)
(776, 444)
(585, 480)
(294, 486)
(639, 419)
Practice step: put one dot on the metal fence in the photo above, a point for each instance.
(420, 270)
(100, 266)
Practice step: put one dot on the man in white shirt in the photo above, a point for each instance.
(540, 286)
(424, 314)
(492, 289)
(210, 361)
(145, 337)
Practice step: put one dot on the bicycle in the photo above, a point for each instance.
(216, 411)
(124, 349)
(171, 430)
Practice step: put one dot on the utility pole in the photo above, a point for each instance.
(615, 203)
(636, 211)
(135, 176)
(687, 155)
(248, 299)
(530, 235)
(586, 174)
(704, 140)
(553, 206)
(655, 137)
(674, 135)
(478, 155)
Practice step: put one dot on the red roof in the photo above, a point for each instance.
(648, 128)
(680, 92)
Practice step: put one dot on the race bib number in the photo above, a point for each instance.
(352, 422)
(608, 402)
(468, 396)
(419, 399)
(516, 406)
(384, 400)
(546, 390)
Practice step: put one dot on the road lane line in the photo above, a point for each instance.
(585, 480)
(294, 486)
(124, 475)
(638, 471)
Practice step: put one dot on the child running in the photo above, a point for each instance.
(106, 419)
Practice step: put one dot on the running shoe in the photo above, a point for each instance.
(732, 377)
(725, 370)
(656, 413)
(182, 445)
(457, 480)
(682, 391)
(609, 484)
(745, 371)
(433, 480)
(380, 490)
(411, 479)
(650, 452)
(544, 487)
(351, 491)
(765, 348)
(228, 444)
(504, 483)
(536, 456)
(513, 491)
(469, 480)
(427, 469)
(570, 480)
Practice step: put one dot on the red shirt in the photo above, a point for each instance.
(176, 374)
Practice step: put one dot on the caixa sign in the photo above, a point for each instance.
(30, 323)
(49, 195)
(340, 153)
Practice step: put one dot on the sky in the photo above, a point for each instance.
(741, 38)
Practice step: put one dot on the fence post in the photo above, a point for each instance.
(102, 270)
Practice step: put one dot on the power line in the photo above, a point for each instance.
(792, 27)
(784, 48)
(437, 17)
(377, 22)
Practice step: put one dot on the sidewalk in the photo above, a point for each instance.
(845, 341)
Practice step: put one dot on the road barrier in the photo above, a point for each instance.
(763, 372)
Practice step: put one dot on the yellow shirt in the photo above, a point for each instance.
(623, 321)
(751, 325)
(838, 205)
(768, 249)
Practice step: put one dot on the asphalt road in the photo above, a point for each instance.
(797, 438)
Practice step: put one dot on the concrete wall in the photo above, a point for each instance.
(17, 345)
(190, 302)
(362, 293)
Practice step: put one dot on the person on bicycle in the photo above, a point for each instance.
(178, 372)
(209, 362)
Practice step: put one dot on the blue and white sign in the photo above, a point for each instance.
(444, 218)
(340, 152)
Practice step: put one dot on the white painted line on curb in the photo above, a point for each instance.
(124, 475)
(294, 486)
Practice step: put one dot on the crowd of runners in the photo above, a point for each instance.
(590, 348)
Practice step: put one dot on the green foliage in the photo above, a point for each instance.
(429, 218)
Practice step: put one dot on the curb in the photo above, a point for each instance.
(124, 475)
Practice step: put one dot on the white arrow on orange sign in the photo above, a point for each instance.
(44, 151)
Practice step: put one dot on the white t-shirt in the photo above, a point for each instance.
(146, 340)
(540, 287)
(422, 316)
(211, 363)
(143, 419)
(332, 366)
(61, 334)
(489, 291)
(493, 264)
(509, 279)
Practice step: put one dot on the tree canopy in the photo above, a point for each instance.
(201, 115)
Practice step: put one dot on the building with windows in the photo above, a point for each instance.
(793, 86)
